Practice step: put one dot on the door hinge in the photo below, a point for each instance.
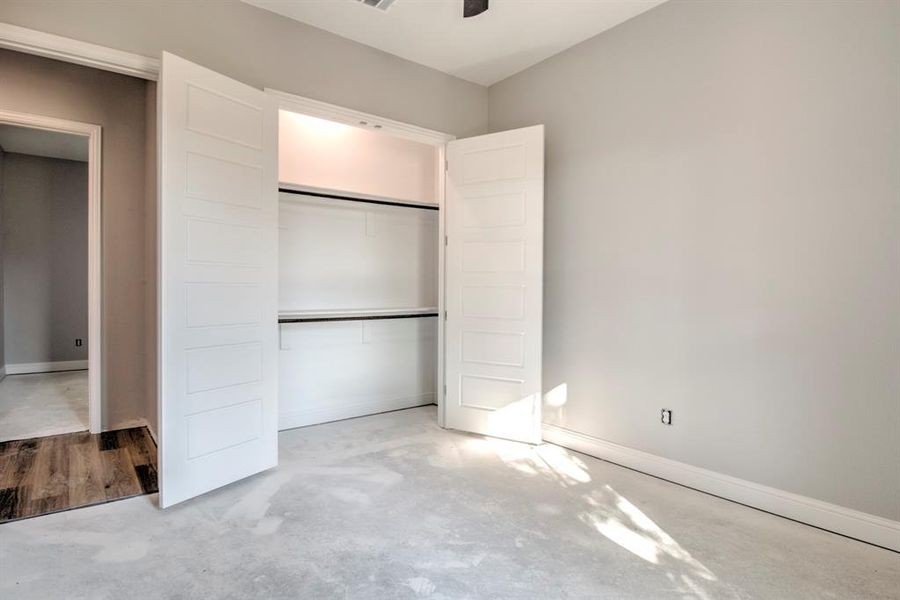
(445, 390)
(446, 240)
(445, 315)
(446, 165)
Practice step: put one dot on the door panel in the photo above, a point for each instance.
(494, 283)
(218, 281)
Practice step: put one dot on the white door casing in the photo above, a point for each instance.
(494, 283)
(218, 281)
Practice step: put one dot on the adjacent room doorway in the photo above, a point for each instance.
(54, 454)
(49, 277)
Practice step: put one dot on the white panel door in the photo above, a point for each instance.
(218, 262)
(494, 283)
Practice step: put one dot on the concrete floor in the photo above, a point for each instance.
(391, 506)
(43, 404)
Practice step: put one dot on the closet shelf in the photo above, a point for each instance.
(315, 193)
(317, 316)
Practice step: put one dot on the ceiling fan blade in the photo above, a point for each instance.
(473, 8)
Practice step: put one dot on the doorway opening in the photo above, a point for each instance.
(54, 454)
(49, 277)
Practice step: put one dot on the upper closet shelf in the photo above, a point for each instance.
(352, 197)
(314, 316)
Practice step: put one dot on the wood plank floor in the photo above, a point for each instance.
(49, 474)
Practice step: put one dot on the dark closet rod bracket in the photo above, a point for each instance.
(312, 319)
(363, 200)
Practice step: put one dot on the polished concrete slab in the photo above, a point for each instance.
(41, 404)
(391, 506)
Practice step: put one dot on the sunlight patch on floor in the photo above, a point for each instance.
(621, 522)
(607, 512)
(546, 459)
(562, 463)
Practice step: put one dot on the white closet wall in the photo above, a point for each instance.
(340, 255)
(324, 154)
(341, 258)
(343, 369)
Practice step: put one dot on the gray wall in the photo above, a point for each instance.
(267, 50)
(723, 239)
(44, 253)
(117, 103)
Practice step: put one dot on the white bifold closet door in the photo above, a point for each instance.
(494, 282)
(218, 280)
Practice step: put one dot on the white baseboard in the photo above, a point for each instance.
(46, 367)
(845, 521)
(316, 416)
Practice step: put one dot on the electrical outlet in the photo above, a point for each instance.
(77, 342)
(666, 416)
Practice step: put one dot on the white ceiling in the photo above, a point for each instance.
(39, 142)
(511, 36)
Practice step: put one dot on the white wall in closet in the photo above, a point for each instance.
(341, 369)
(337, 255)
(325, 154)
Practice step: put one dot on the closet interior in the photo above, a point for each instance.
(359, 231)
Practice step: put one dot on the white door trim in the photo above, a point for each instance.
(32, 41)
(95, 257)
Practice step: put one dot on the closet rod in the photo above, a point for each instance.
(363, 200)
(353, 318)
